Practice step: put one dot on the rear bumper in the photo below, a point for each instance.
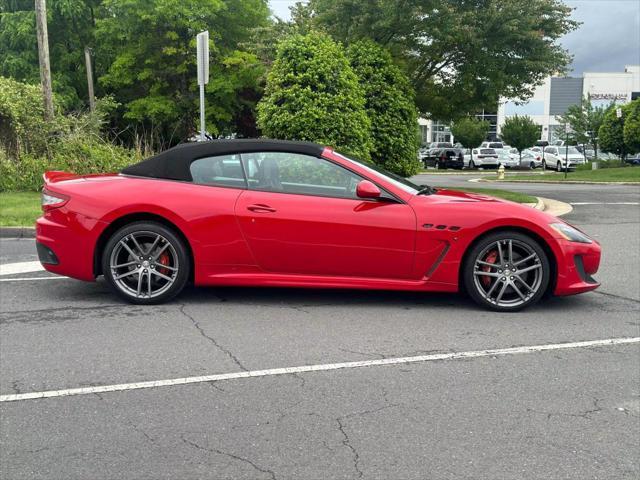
(576, 267)
(65, 242)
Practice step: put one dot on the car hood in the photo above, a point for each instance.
(473, 209)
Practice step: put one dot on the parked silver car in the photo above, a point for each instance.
(531, 158)
(507, 159)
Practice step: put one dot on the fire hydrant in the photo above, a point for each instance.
(501, 172)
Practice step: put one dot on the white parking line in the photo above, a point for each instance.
(20, 267)
(30, 279)
(605, 203)
(315, 368)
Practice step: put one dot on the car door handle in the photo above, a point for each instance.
(261, 208)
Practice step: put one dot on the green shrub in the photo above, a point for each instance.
(389, 102)
(82, 156)
(602, 164)
(22, 127)
(313, 94)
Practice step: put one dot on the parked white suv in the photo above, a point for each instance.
(560, 158)
(495, 145)
(482, 157)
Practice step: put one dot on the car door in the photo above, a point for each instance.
(300, 215)
(551, 156)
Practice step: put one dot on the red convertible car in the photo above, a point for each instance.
(276, 213)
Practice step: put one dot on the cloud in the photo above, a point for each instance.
(609, 37)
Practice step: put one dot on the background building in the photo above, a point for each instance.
(556, 94)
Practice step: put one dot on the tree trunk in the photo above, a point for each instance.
(43, 57)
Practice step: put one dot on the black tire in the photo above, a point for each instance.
(558, 166)
(176, 248)
(469, 273)
(532, 166)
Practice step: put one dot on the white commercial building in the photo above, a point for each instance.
(556, 94)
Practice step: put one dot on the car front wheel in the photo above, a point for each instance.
(506, 271)
(146, 263)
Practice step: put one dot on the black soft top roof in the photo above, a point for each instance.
(174, 164)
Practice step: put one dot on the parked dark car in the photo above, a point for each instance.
(633, 160)
(446, 158)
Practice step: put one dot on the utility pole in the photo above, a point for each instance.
(87, 61)
(43, 57)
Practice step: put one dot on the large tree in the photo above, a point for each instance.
(585, 121)
(147, 51)
(520, 132)
(389, 102)
(461, 55)
(611, 133)
(313, 94)
(631, 130)
(71, 28)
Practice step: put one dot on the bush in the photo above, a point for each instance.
(29, 145)
(75, 154)
(22, 127)
(313, 94)
(389, 102)
(602, 164)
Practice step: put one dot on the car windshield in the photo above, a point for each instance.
(400, 182)
(570, 150)
(487, 151)
(495, 145)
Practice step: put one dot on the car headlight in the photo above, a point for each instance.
(570, 233)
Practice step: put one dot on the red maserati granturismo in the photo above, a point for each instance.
(296, 214)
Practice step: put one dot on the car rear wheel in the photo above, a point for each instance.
(532, 166)
(506, 271)
(146, 263)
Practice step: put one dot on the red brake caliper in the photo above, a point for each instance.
(163, 260)
(491, 258)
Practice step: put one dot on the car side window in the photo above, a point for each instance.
(221, 171)
(549, 150)
(296, 173)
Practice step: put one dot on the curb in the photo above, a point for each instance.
(560, 182)
(555, 207)
(17, 232)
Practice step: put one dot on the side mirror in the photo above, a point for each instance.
(366, 189)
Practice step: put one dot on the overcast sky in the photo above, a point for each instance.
(607, 40)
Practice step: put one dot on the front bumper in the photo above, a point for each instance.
(577, 263)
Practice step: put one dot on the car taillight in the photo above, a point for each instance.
(50, 200)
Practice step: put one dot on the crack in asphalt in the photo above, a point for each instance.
(368, 354)
(193, 444)
(196, 324)
(128, 422)
(585, 414)
(619, 297)
(347, 441)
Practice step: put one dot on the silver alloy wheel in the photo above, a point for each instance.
(508, 273)
(144, 264)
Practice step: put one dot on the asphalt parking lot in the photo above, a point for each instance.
(522, 414)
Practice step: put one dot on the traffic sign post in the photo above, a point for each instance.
(202, 40)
